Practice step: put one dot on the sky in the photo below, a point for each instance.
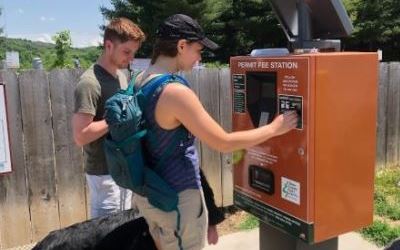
(39, 20)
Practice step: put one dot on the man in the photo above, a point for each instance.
(122, 39)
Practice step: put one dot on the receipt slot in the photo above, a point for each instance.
(315, 182)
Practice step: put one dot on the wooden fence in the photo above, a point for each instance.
(388, 122)
(47, 189)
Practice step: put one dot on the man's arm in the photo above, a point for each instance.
(85, 130)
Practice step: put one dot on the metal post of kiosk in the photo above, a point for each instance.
(273, 239)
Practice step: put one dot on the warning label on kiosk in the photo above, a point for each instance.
(238, 82)
(275, 217)
(262, 157)
(290, 190)
(239, 105)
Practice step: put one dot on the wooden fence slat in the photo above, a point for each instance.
(381, 146)
(395, 79)
(210, 159)
(225, 105)
(15, 227)
(393, 111)
(69, 169)
(39, 147)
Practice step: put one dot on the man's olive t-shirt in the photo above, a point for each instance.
(95, 86)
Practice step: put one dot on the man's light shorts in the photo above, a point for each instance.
(106, 196)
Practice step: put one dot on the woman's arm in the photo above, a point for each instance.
(179, 104)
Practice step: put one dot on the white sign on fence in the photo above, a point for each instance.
(5, 156)
(139, 64)
(12, 59)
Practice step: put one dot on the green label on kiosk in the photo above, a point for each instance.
(275, 218)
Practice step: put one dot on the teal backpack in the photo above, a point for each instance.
(123, 144)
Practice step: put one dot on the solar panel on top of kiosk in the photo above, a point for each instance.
(329, 18)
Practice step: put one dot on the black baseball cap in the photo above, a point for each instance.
(181, 26)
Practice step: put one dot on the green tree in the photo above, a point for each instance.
(237, 25)
(376, 26)
(149, 14)
(47, 52)
(63, 46)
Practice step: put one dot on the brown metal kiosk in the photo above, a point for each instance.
(316, 182)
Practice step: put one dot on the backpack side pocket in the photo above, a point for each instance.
(125, 163)
(158, 192)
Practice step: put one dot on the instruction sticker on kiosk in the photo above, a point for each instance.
(289, 103)
(239, 96)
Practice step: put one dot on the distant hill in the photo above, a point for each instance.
(30, 49)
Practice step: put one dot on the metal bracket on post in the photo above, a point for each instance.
(304, 22)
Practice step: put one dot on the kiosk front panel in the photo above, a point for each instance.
(299, 182)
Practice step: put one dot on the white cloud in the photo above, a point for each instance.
(80, 40)
(96, 41)
(42, 37)
(20, 11)
(46, 38)
(47, 19)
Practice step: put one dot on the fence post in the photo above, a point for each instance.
(70, 179)
(225, 104)
(39, 145)
(393, 115)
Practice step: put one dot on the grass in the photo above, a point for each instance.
(249, 222)
(386, 226)
(380, 233)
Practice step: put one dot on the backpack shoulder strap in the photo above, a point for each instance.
(131, 85)
(159, 81)
(180, 79)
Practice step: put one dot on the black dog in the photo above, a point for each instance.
(116, 231)
(394, 245)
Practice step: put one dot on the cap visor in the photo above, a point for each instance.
(209, 44)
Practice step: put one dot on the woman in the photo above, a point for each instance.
(174, 108)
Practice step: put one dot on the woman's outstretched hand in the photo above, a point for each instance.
(284, 123)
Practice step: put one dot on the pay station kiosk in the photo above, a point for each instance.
(315, 182)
